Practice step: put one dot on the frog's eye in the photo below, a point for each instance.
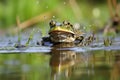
(52, 23)
(68, 23)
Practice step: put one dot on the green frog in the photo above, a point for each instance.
(62, 33)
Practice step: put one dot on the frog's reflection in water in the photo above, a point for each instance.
(70, 64)
(115, 72)
(62, 61)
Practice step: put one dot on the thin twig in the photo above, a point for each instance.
(118, 9)
(18, 21)
(114, 2)
(35, 20)
(30, 22)
(75, 9)
(18, 29)
(110, 8)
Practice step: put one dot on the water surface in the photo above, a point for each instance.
(94, 62)
(61, 65)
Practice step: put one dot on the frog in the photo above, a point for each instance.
(63, 32)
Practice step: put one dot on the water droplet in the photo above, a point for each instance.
(76, 25)
(37, 2)
(46, 6)
(45, 17)
(96, 12)
(64, 3)
(33, 29)
(53, 16)
(90, 25)
(84, 27)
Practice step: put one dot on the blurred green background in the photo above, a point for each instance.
(82, 11)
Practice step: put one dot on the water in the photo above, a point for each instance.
(60, 62)
(61, 65)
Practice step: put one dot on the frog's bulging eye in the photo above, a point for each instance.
(68, 23)
(52, 23)
(71, 25)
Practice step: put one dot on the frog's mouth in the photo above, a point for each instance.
(61, 29)
(60, 36)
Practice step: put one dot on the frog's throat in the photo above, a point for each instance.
(60, 38)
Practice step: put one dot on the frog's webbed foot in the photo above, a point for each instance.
(82, 41)
(89, 40)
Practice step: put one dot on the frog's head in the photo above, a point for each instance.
(61, 32)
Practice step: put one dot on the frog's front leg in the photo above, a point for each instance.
(89, 40)
(79, 40)
(82, 41)
(46, 41)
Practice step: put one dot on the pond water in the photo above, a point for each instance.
(61, 65)
(61, 62)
